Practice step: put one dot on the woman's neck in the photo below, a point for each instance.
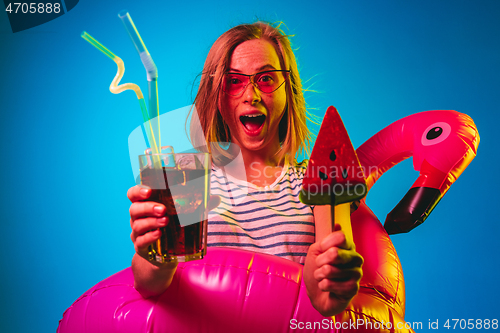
(257, 168)
(262, 175)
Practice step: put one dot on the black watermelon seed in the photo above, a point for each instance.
(333, 157)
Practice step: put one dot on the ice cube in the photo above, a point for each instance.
(187, 162)
(187, 204)
(166, 198)
(189, 209)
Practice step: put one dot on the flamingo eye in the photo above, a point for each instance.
(435, 133)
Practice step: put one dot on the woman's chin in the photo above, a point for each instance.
(257, 140)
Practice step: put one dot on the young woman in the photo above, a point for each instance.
(250, 95)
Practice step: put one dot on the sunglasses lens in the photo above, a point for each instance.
(267, 82)
(235, 83)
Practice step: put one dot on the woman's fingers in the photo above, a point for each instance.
(146, 231)
(138, 193)
(335, 273)
(336, 250)
(335, 239)
(339, 257)
(142, 242)
(141, 208)
(147, 217)
(343, 282)
(146, 209)
(342, 290)
(338, 266)
(142, 226)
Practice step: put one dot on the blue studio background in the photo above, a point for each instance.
(65, 166)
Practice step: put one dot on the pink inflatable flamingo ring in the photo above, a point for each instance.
(442, 144)
(233, 290)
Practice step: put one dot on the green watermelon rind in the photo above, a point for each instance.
(325, 198)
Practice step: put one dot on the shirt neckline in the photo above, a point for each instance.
(245, 183)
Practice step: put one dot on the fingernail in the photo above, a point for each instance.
(158, 209)
(144, 191)
(162, 221)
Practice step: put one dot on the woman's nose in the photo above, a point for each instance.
(252, 93)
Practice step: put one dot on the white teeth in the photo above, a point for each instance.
(254, 115)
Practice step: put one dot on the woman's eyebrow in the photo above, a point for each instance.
(270, 67)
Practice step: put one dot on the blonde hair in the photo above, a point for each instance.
(294, 136)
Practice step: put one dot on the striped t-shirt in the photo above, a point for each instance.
(267, 219)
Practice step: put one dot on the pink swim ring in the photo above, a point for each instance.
(240, 291)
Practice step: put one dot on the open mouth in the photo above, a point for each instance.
(253, 122)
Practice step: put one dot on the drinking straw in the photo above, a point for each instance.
(116, 89)
(147, 61)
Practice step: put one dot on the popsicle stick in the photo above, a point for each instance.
(341, 214)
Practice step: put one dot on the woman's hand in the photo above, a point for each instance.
(332, 272)
(146, 217)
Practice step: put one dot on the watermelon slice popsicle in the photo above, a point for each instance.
(334, 175)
